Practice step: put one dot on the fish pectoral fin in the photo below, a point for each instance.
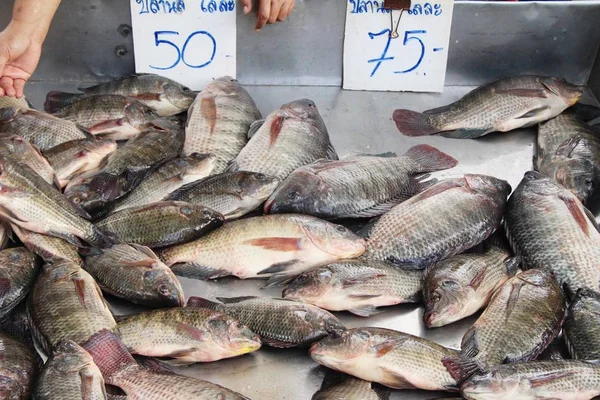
(331, 153)
(533, 113)
(277, 343)
(197, 271)
(11, 215)
(283, 244)
(513, 298)
(395, 380)
(365, 311)
(279, 280)
(194, 333)
(541, 93)
(361, 279)
(278, 268)
(146, 263)
(461, 367)
(478, 278)
(566, 148)
(580, 216)
(465, 133)
(255, 126)
(388, 345)
(545, 379)
(108, 125)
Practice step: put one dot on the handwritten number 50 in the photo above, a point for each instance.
(180, 52)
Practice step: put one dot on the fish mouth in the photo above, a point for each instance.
(268, 205)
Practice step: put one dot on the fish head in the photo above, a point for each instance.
(492, 386)
(231, 335)
(91, 195)
(305, 109)
(165, 285)
(336, 240)
(223, 86)
(563, 89)
(445, 298)
(178, 95)
(497, 189)
(535, 182)
(579, 176)
(310, 285)
(301, 192)
(71, 357)
(142, 117)
(256, 185)
(344, 348)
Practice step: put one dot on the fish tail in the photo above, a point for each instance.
(109, 354)
(429, 158)
(56, 100)
(200, 302)
(412, 123)
(461, 368)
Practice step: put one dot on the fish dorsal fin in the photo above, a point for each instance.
(540, 93)
(331, 153)
(254, 127)
(145, 251)
(438, 110)
(231, 300)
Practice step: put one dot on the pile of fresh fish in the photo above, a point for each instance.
(121, 189)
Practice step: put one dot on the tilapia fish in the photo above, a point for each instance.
(357, 187)
(581, 330)
(134, 273)
(111, 116)
(338, 386)
(568, 151)
(280, 323)
(187, 334)
(557, 380)
(504, 332)
(168, 178)
(22, 151)
(503, 105)
(394, 359)
(26, 200)
(120, 369)
(276, 246)
(18, 103)
(163, 95)
(124, 170)
(70, 374)
(42, 130)
(66, 304)
(219, 120)
(461, 285)
(18, 369)
(51, 249)
(76, 157)
(18, 270)
(359, 286)
(233, 194)
(160, 224)
(290, 137)
(550, 229)
(413, 234)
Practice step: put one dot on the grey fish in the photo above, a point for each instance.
(70, 373)
(51, 249)
(18, 103)
(568, 151)
(219, 120)
(359, 286)
(338, 386)
(168, 178)
(120, 369)
(76, 157)
(135, 273)
(5, 234)
(549, 228)
(504, 333)
(290, 137)
(42, 130)
(394, 359)
(18, 270)
(67, 304)
(163, 95)
(581, 330)
(161, 224)
(22, 151)
(461, 285)
(26, 200)
(280, 323)
(18, 369)
(557, 380)
(412, 233)
(188, 335)
(124, 170)
(359, 186)
(274, 246)
(233, 194)
(503, 105)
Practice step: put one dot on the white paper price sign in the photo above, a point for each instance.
(190, 41)
(414, 61)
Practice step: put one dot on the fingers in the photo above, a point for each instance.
(286, 10)
(275, 10)
(7, 84)
(19, 85)
(264, 11)
(246, 6)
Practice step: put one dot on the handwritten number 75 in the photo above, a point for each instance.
(180, 52)
(408, 36)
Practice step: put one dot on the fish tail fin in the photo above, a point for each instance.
(461, 368)
(7, 114)
(412, 123)
(56, 100)
(109, 354)
(200, 302)
(429, 158)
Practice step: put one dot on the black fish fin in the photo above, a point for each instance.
(461, 368)
(412, 123)
(229, 300)
(56, 100)
(511, 265)
(395, 380)
(430, 159)
(277, 343)
(200, 302)
(109, 353)
(388, 154)
(278, 280)
(197, 271)
(278, 267)
(331, 153)
(533, 113)
(585, 112)
(361, 279)
(365, 311)
(255, 126)
(465, 133)
(470, 348)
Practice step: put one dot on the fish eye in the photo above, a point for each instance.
(76, 200)
(589, 182)
(449, 285)
(147, 274)
(292, 195)
(163, 289)
(186, 89)
(233, 80)
(340, 228)
(260, 177)
(187, 210)
(311, 104)
(206, 213)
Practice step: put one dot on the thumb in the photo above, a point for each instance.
(246, 6)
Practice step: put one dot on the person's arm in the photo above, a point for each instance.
(269, 11)
(21, 43)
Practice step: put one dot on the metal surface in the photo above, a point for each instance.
(488, 40)
(358, 122)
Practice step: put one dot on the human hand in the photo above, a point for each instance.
(269, 11)
(20, 51)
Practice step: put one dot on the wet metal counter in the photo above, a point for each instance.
(303, 58)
